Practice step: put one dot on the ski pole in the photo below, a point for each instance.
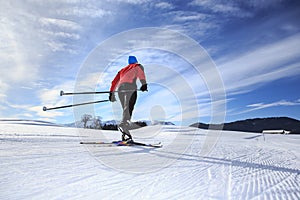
(73, 105)
(73, 93)
(102, 92)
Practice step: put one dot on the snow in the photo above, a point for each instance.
(47, 162)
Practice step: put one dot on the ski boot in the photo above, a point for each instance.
(127, 139)
(126, 136)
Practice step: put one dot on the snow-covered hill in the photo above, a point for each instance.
(47, 162)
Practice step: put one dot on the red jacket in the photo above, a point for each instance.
(129, 74)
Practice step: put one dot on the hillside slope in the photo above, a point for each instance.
(257, 125)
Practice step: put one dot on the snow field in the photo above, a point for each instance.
(47, 162)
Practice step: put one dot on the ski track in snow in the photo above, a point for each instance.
(45, 162)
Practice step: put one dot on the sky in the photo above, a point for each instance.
(205, 61)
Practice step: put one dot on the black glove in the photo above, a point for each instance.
(112, 97)
(144, 88)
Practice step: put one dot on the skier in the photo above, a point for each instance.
(125, 82)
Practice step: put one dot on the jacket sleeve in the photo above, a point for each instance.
(115, 82)
(141, 74)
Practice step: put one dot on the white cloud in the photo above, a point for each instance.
(35, 41)
(60, 47)
(92, 12)
(33, 111)
(265, 64)
(52, 95)
(196, 24)
(134, 2)
(61, 35)
(94, 80)
(59, 23)
(187, 16)
(3, 88)
(259, 106)
(50, 115)
(15, 60)
(224, 7)
(164, 5)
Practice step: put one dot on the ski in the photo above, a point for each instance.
(122, 143)
(156, 145)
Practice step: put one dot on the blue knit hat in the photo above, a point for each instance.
(132, 60)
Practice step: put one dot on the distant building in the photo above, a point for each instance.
(276, 132)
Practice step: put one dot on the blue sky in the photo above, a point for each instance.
(48, 46)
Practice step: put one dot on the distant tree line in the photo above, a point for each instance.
(257, 125)
(95, 122)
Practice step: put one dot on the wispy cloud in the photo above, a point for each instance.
(265, 64)
(37, 39)
(51, 96)
(164, 5)
(44, 97)
(83, 11)
(235, 8)
(134, 2)
(226, 8)
(259, 106)
(46, 22)
(185, 16)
